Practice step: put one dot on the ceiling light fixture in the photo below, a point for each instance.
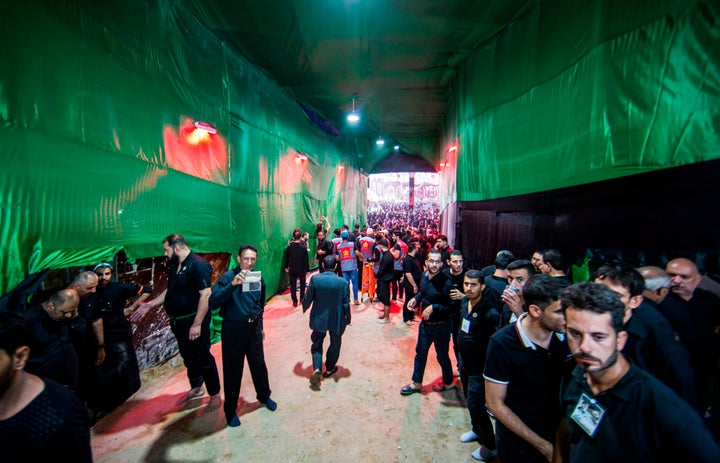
(380, 141)
(396, 147)
(353, 117)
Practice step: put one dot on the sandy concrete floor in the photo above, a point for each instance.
(358, 415)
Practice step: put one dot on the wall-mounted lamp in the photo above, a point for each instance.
(340, 167)
(302, 156)
(443, 164)
(209, 128)
(452, 148)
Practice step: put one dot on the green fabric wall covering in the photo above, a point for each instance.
(581, 91)
(96, 103)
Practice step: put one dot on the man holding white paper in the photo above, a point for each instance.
(240, 294)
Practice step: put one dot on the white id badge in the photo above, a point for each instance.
(588, 414)
(465, 326)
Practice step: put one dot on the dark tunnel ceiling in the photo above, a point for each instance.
(398, 56)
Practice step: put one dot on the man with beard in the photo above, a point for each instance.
(523, 369)
(704, 308)
(613, 410)
(519, 272)
(435, 326)
(480, 314)
(88, 335)
(52, 353)
(118, 377)
(324, 248)
(39, 419)
(242, 305)
(186, 303)
(651, 343)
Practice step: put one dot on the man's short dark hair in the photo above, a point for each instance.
(475, 275)
(245, 247)
(542, 290)
(383, 242)
(442, 237)
(623, 274)
(522, 264)
(13, 332)
(455, 252)
(175, 240)
(553, 257)
(434, 251)
(596, 298)
(329, 262)
(297, 234)
(503, 259)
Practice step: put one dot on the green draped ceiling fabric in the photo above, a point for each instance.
(99, 152)
(581, 91)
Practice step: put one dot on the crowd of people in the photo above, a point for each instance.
(622, 367)
(424, 216)
(565, 369)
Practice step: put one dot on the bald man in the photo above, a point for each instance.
(704, 308)
(657, 288)
(52, 354)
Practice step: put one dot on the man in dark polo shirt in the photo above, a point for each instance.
(524, 365)
(651, 342)
(241, 298)
(186, 303)
(480, 314)
(613, 410)
(435, 327)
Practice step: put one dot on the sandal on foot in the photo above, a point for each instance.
(409, 389)
(443, 388)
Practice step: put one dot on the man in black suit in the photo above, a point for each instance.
(297, 265)
(329, 296)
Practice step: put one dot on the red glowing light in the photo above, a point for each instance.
(209, 128)
(452, 148)
(302, 156)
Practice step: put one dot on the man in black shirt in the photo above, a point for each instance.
(186, 303)
(435, 327)
(52, 353)
(296, 264)
(324, 248)
(519, 272)
(480, 315)
(412, 270)
(242, 305)
(523, 368)
(384, 276)
(499, 278)
(704, 308)
(455, 274)
(118, 377)
(39, 419)
(613, 410)
(651, 343)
